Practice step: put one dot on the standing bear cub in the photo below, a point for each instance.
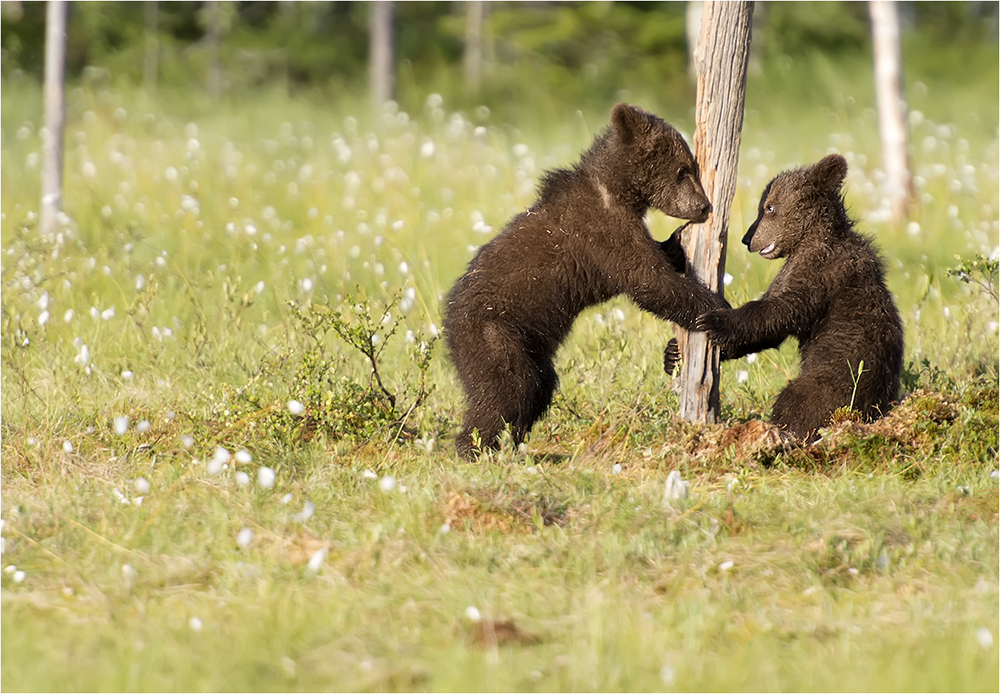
(830, 294)
(582, 242)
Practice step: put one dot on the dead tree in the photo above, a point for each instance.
(55, 116)
(380, 51)
(721, 61)
(474, 46)
(151, 61)
(213, 38)
(891, 107)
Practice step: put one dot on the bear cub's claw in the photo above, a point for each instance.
(671, 356)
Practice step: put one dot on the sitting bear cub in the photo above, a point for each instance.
(830, 294)
(582, 242)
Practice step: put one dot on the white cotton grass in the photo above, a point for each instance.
(266, 477)
(296, 407)
(83, 356)
(984, 637)
(668, 675)
(387, 483)
(143, 426)
(243, 456)
(67, 446)
(219, 460)
(307, 512)
(142, 486)
(317, 559)
(15, 574)
(675, 488)
(195, 624)
(473, 614)
(242, 478)
(244, 537)
(121, 425)
(425, 443)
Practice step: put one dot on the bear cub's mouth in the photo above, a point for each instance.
(768, 250)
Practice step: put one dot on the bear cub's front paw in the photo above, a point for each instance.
(715, 324)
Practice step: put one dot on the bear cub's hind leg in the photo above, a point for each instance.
(512, 388)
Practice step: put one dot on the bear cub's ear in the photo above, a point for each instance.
(627, 121)
(829, 172)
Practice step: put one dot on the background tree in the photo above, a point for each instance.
(891, 107)
(55, 116)
(380, 51)
(473, 59)
(151, 59)
(212, 39)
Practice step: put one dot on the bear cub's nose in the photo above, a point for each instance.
(703, 211)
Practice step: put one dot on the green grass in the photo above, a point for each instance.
(869, 562)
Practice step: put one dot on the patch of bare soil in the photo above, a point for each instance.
(504, 632)
(482, 510)
(755, 440)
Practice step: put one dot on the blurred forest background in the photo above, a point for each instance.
(504, 55)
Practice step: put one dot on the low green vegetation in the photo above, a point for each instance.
(227, 422)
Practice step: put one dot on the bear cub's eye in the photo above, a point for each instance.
(682, 173)
(769, 209)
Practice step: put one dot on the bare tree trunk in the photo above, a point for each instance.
(214, 37)
(891, 107)
(380, 51)
(151, 63)
(55, 116)
(723, 52)
(474, 47)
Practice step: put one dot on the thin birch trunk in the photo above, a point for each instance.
(474, 47)
(214, 37)
(891, 107)
(380, 52)
(55, 117)
(151, 63)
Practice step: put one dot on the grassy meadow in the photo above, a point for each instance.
(204, 488)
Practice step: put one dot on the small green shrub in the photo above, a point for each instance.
(311, 389)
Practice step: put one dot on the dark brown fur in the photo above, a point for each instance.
(830, 295)
(582, 243)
